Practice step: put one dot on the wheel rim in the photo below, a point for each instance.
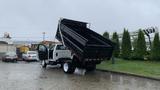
(65, 67)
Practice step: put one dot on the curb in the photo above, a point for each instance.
(129, 74)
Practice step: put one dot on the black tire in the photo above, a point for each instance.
(61, 65)
(68, 67)
(44, 64)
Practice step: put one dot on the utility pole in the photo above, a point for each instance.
(44, 33)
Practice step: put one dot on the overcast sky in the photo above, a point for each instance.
(27, 19)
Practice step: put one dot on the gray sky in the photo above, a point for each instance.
(29, 18)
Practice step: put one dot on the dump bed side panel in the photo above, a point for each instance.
(83, 41)
(98, 46)
(72, 40)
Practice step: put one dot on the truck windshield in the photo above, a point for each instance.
(60, 47)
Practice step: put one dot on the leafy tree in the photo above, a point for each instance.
(140, 48)
(106, 34)
(126, 45)
(155, 49)
(115, 39)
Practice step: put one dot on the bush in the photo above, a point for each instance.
(155, 48)
(126, 45)
(139, 47)
(106, 34)
(115, 39)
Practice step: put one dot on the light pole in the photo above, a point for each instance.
(44, 33)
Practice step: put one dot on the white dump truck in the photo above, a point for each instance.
(81, 47)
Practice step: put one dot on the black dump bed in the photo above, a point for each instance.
(84, 42)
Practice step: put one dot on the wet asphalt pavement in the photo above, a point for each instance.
(30, 76)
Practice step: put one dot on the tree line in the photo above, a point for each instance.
(135, 49)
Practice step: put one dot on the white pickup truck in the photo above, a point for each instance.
(57, 54)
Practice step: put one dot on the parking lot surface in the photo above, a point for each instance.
(30, 76)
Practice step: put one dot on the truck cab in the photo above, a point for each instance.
(56, 54)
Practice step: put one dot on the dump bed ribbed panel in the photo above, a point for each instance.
(83, 41)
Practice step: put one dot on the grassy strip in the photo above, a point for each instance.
(143, 68)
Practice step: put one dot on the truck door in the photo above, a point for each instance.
(42, 52)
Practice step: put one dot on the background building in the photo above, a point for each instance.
(6, 45)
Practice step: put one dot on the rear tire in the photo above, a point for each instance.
(68, 67)
(44, 64)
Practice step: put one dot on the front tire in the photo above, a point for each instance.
(68, 67)
(44, 64)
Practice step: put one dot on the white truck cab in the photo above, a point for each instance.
(57, 54)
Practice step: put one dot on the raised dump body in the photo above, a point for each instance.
(82, 41)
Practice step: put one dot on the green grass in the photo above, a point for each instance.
(143, 68)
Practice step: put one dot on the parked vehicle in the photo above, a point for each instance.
(10, 57)
(30, 56)
(87, 48)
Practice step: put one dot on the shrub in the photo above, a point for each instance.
(126, 45)
(139, 47)
(106, 34)
(115, 39)
(155, 48)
